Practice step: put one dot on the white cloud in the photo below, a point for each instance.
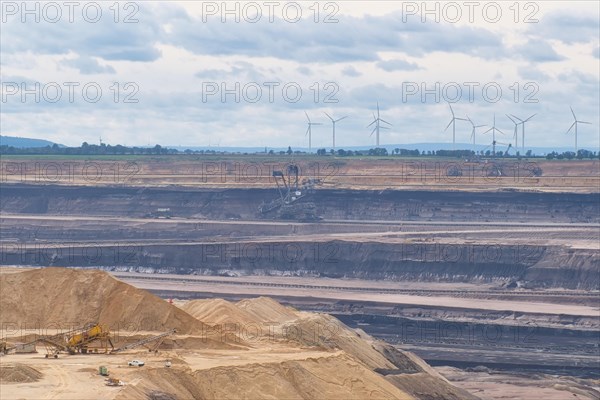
(371, 55)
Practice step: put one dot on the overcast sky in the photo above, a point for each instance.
(188, 73)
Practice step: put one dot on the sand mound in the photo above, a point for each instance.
(161, 384)
(264, 309)
(426, 387)
(18, 373)
(63, 298)
(327, 332)
(300, 329)
(336, 377)
(217, 311)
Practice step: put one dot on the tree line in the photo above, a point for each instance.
(107, 149)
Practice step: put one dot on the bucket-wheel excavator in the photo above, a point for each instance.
(291, 204)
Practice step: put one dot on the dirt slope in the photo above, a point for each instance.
(304, 356)
(336, 377)
(306, 330)
(18, 373)
(61, 298)
(217, 311)
(265, 309)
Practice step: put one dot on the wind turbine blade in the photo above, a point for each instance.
(573, 112)
(329, 116)
(449, 123)
(513, 121)
(460, 119)
(451, 110)
(583, 122)
(500, 131)
(341, 118)
(571, 127)
(469, 119)
(307, 131)
(383, 127)
(316, 123)
(479, 126)
(489, 130)
(372, 132)
(305, 113)
(371, 123)
(519, 119)
(530, 117)
(384, 121)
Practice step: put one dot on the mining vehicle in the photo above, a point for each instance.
(291, 203)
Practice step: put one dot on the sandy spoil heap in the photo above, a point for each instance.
(364, 359)
(217, 311)
(265, 309)
(321, 359)
(336, 377)
(18, 373)
(65, 298)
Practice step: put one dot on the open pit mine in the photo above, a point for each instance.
(316, 280)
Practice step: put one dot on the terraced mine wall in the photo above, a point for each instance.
(240, 248)
(526, 266)
(330, 203)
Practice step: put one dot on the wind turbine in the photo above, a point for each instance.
(522, 122)
(453, 123)
(309, 131)
(576, 121)
(377, 121)
(493, 129)
(516, 133)
(473, 130)
(334, 121)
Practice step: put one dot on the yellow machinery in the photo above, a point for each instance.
(94, 333)
(83, 340)
(93, 338)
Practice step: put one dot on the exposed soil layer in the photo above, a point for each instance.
(509, 265)
(557, 249)
(331, 203)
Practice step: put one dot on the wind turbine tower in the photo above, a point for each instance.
(453, 123)
(473, 130)
(493, 129)
(575, 122)
(309, 131)
(377, 121)
(516, 133)
(334, 121)
(522, 122)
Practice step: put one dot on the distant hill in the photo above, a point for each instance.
(24, 142)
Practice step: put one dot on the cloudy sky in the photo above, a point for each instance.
(243, 73)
